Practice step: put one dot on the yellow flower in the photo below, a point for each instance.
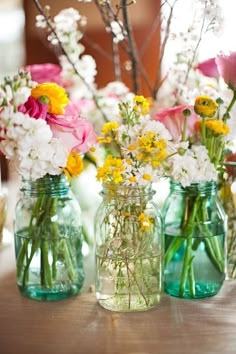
(56, 95)
(145, 222)
(131, 147)
(74, 165)
(109, 127)
(205, 106)
(104, 140)
(147, 177)
(217, 126)
(141, 104)
(111, 170)
(133, 179)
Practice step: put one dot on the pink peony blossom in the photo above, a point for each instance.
(76, 133)
(47, 72)
(226, 64)
(208, 68)
(34, 108)
(173, 120)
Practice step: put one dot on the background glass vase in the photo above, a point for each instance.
(195, 253)
(129, 250)
(3, 210)
(227, 195)
(48, 242)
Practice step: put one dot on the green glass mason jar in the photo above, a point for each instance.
(48, 240)
(195, 249)
(129, 250)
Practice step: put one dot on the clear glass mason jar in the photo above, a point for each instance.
(129, 249)
(227, 194)
(48, 240)
(195, 249)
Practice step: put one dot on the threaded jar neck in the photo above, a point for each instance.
(54, 186)
(201, 188)
(113, 191)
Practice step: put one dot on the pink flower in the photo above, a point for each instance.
(76, 133)
(208, 68)
(173, 120)
(34, 108)
(79, 106)
(226, 64)
(45, 73)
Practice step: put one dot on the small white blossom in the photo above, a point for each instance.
(117, 30)
(192, 167)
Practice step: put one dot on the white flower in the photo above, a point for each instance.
(156, 127)
(192, 167)
(41, 22)
(30, 143)
(117, 29)
(66, 20)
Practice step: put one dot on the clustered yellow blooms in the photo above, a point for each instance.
(142, 105)
(146, 150)
(145, 222)
(53, 94)
(111, 171)
(207, 107)
(213, 129)
(109, 133)
(109, 127)
(74, 165)
(151, 150)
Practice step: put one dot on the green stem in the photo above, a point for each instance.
(204, 141)
(174, 246)
(188, 258)
(21, 257)
(186, 263)
(226, 114)
(45, 266)
(34, 248)
(67, 258)
(191, 278)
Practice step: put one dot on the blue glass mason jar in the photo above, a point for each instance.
(129, 249)
(48, 240)
(195, 226)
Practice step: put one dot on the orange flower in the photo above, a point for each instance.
(52, 93)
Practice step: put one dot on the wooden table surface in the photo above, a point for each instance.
(80, 326)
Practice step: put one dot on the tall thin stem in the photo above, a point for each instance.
(132, 47)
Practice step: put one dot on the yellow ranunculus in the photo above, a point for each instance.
(217, 126)
(56, 95)
(74, 165)
(205, 106)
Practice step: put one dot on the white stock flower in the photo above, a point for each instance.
(192, 167)
(30, 143)
(21, 96)
(157, 127)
